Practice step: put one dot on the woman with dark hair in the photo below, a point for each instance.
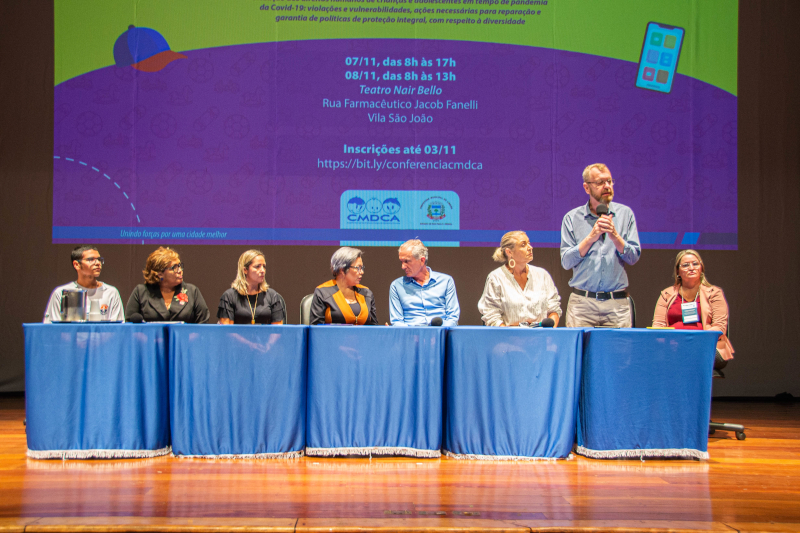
(694, 303)
(343, 300)
(164, 296)
(250, 300)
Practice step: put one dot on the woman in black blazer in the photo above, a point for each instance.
(164, 296)
(343, 300)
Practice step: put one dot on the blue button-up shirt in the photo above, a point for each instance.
(602, 269)
(412, 304)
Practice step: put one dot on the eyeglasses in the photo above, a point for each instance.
(92, 260)
(359, 269)
(602, 183)
(694, 264)
(174, 268)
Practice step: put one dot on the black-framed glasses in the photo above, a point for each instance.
(175, 268)
(359, 269)
(92, 260)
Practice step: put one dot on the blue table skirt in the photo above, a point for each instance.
(512, 393)
(375, 390)
(96, 390)
(238, 390)
(105, 391)
(646, 393)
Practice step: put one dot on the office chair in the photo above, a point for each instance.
(724, 426)
(285, 312)
(633, 311)
(305, 309)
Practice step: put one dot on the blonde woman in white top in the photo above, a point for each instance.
(518, 292)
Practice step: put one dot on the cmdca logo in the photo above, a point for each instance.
(373, 218)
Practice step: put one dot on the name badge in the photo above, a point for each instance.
(689, 312)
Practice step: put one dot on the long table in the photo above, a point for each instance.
(646, 393)
(125, 390)
(238, 390)
(375, 390)
(96, 391)
(512, 393)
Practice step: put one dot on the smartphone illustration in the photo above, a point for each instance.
(659, 60)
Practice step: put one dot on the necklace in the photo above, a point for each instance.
(253, 307)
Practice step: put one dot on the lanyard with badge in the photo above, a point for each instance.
(689, 311)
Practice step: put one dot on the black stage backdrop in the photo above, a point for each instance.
(760, 279)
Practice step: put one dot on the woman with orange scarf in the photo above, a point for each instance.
(343, 300)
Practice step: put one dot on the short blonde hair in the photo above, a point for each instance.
(245, 260)
(677, 276)
(157, 263)
(587, 172)
(508, 241)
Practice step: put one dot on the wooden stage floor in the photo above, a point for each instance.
(751, 485)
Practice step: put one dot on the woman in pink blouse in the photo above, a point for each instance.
(706, 307)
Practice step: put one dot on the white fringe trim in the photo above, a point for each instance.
(373, 450)
(683, 453)
(479, 457)
(95, 466)
(237, 456)
(97, 454)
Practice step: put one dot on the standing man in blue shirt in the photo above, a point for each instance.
(597, 250)
(422, 294)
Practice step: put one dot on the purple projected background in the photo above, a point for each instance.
(235, 140)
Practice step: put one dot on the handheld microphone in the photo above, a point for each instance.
(437, 321)
(136, 318)
(601, 210)
(546, 323)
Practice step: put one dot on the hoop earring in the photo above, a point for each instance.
(511, 262)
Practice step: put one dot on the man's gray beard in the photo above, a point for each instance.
(601, 200)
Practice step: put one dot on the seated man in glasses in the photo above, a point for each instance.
(597, 240)
(88, 264)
